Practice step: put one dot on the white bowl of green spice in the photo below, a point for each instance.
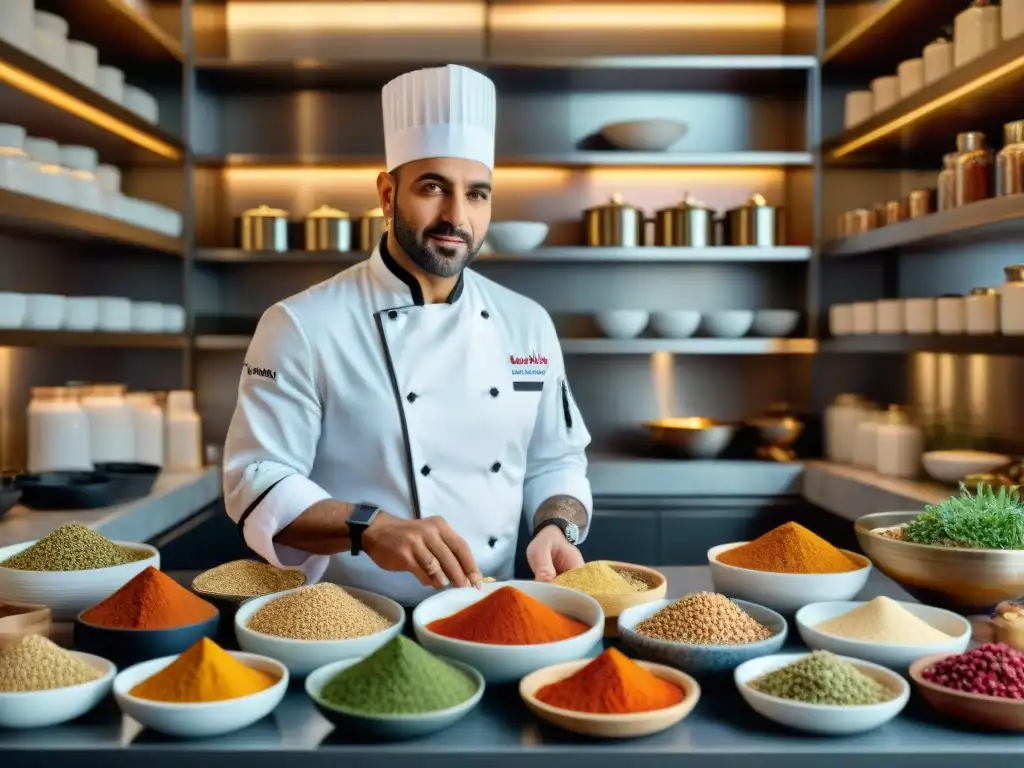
(401, 691)
(797, 682)
(72, 569)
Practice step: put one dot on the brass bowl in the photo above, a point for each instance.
(963, 580)
(697, 437)
(779, 431)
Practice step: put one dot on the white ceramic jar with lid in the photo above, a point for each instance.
(899, 444)
(16, 173)
(950, 311)
(890, 316)
(981, 310)
(52, 181)
(1012, 18)
(865, 438)
(111, 426)
(17, 25)
(910, 74)
(859, 107)
(184, 433)
(58, 432)
(142, 104)
(50, 39)
(81, 163)
(148, 422)
(83, 62)
(919, 316)
(976, 31)
(1011, 301)
(842, 418)
(938, 60)
(110, 82)
(840, 319)
(864, 320)
(885, 91)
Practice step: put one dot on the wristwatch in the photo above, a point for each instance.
(358, 522)
(571, 530)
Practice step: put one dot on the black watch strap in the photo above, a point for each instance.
(360, 519)
(569, 529)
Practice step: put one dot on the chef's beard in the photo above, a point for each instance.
(432, 258)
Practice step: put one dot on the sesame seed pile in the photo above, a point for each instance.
(247, 578)
(321, 612)
(37, 664)
(704, 618)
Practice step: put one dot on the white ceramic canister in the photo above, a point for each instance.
(48, 43)
(859, 107)
(899, 444)
(938, 60)
(147, 317)
(111, 426)
(17, 25)
(911, 77)
(110, 82)
(81, 163)
(45, 311)
(1012, 18)
(83, 61)
(108, 179)
(174, 318)
(981, 310)
(82, 313)
(840, 319)
(919, 316)
(885, 91)
(1011, 301)
(841, 420)
(890, 316)
(141, 103)
(148, 421)
(14, 165)
(865, 438)
(13, 307)
(115, 314)
(184, 432)
(864, 317)
(976, 31)
(51, 22)
(58, 432)
(51, 179)
(950, 314)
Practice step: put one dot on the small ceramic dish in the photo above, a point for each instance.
(17, 621)
(40, 709)
(614, 605)
(609, 726)
(985, 711)
(390, 726)
(126, 647)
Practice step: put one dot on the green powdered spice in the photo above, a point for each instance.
(822, 678)
(400, 678)
(73, 547)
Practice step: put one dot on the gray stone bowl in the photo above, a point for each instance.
(699, 659)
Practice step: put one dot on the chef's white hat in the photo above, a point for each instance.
(439, 112)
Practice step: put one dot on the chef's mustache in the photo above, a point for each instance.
(447, 230)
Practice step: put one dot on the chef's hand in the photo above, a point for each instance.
(428, 549)
(551, 554)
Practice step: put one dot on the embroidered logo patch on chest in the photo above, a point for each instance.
(528, 372)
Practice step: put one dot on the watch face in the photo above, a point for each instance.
(572, 533)
(362, 514)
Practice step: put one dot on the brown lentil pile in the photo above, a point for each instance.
(704, 618)
(321, 612)
(73, 547)
(37, 664)
(247, 578)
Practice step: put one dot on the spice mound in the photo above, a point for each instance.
(823, 678)
(704, 618)
(247, 578)
(883, 620)
(508, 616)
(790, 548)
(399, 678)
(73, 547)
(37, 664)
(321, 612)
(993, 669)
(599, 578)
(612, 684)
(152, 600)
(203, 673)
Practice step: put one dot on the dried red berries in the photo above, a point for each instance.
(994, 669)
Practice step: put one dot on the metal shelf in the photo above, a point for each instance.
(122, 33)
(689, 346)
(987, 217)
(549, 255)
(906, 344)
(43, 219)
(26, 338)
(49, 103)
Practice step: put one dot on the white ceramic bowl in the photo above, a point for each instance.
(505, 663)
(68, 593)
(898, 657)
(774, 323)
(390, 726)
(12, 309)
(953, 466)
(516, 236)
(303, 656)
(728, 324)
(785, 592)
(622, 323)
(644, 135)
(678, 324)
(205, 719)
(820, 718)
(40, 709)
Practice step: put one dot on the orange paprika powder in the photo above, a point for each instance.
(508, 616)
(152, 600)
(612, 684)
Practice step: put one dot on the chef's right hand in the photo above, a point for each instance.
(428, 549)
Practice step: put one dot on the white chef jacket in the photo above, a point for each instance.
(356, 390)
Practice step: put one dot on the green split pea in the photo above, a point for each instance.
(823, 678)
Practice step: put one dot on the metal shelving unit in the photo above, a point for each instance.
(30, 338)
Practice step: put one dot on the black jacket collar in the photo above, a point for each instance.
(410, 281)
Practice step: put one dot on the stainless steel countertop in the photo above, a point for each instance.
(722, 731)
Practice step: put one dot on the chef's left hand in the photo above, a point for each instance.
(550, 554)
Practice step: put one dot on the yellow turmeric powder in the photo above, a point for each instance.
(203, 673)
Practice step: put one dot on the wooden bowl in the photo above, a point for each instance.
(609, 726)
(985, 711)
(18, 620)
(614, 605)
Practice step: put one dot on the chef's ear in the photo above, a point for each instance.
(387, 187)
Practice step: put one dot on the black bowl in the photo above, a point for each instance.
(125, 647)
(134, 480)
(68, 490)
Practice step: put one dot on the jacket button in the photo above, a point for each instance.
(491, 542)
(393, 314)
(494, 391)
(495, 466)
(411, 397)
(485, 314)
(424, 470)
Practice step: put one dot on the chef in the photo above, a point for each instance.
(395, 422)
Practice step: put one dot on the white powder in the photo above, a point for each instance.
(883, 621)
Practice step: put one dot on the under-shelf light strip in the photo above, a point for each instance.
(62, 100)
(875, 19)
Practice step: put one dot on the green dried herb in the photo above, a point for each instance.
(986, 519)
